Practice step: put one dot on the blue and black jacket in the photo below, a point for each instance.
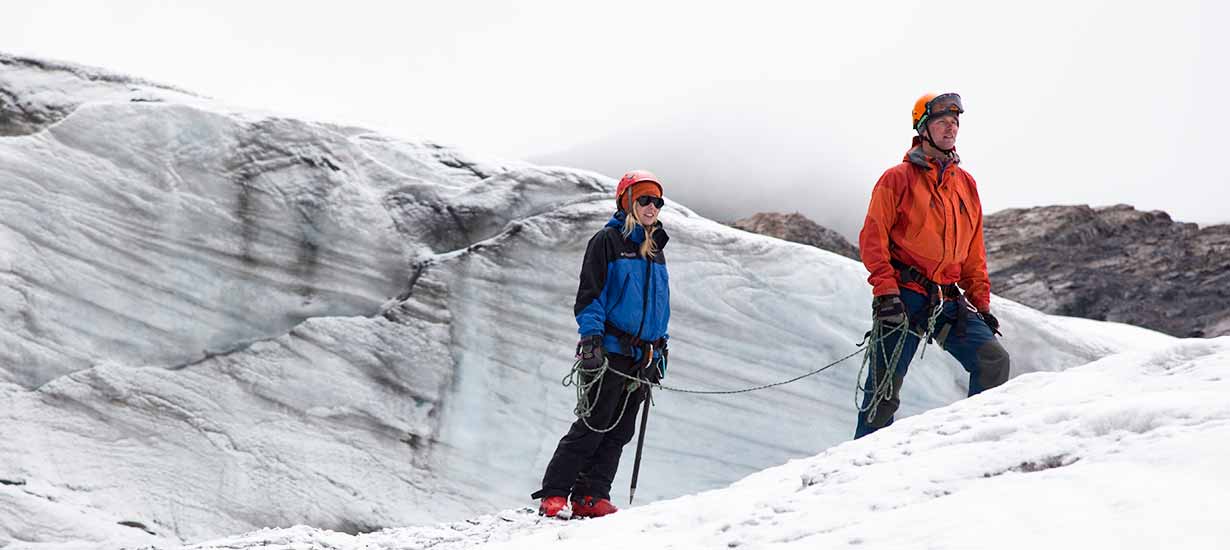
(621, 289)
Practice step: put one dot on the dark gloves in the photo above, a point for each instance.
(590, 353)
(991, 321)
(888, 309)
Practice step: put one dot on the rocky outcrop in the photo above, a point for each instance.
(1113, 263)
(797, 228)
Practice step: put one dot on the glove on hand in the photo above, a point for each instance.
(888, 309)
(590, 352)
(991, 321)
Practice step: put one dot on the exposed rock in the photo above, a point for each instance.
(797, 228)
(1113, 263)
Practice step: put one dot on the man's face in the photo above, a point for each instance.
(943, 130)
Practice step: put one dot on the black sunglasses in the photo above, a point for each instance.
(646, 200)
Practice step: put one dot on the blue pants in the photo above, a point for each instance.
(979, 352)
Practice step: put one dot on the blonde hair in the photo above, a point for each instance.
(649, 248)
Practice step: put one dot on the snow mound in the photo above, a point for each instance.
(1126, 452)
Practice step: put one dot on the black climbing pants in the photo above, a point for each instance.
(585, 460)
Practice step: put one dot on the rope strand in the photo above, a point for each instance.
(582, 398)
(883, 387)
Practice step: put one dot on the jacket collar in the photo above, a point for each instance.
(638, 231)
(918, 157)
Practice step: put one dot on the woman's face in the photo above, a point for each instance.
(647, 214)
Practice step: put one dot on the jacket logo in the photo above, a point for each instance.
(628, 254)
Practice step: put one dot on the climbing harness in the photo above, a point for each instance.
(937, 294)
(630, 342)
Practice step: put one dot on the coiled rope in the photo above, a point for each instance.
(584, 379)
(883, 386)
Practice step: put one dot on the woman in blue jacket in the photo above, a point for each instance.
(622, 310)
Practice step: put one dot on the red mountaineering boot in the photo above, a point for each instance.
(554, 507)
(587, 507)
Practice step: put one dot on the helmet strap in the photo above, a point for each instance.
(926, 135)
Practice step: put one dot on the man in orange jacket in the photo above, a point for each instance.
(922, 244)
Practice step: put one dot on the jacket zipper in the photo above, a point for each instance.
(645, 298)
(939, 180)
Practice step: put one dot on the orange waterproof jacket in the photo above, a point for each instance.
(928, 220)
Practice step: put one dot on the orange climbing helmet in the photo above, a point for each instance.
(930, 105)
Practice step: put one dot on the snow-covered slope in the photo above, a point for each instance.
(1127, 452)
(214, 320)
(36, 93)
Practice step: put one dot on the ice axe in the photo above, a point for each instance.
(640, 442)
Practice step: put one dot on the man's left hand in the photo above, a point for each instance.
(991, 321)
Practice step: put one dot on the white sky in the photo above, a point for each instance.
(1094, 102)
